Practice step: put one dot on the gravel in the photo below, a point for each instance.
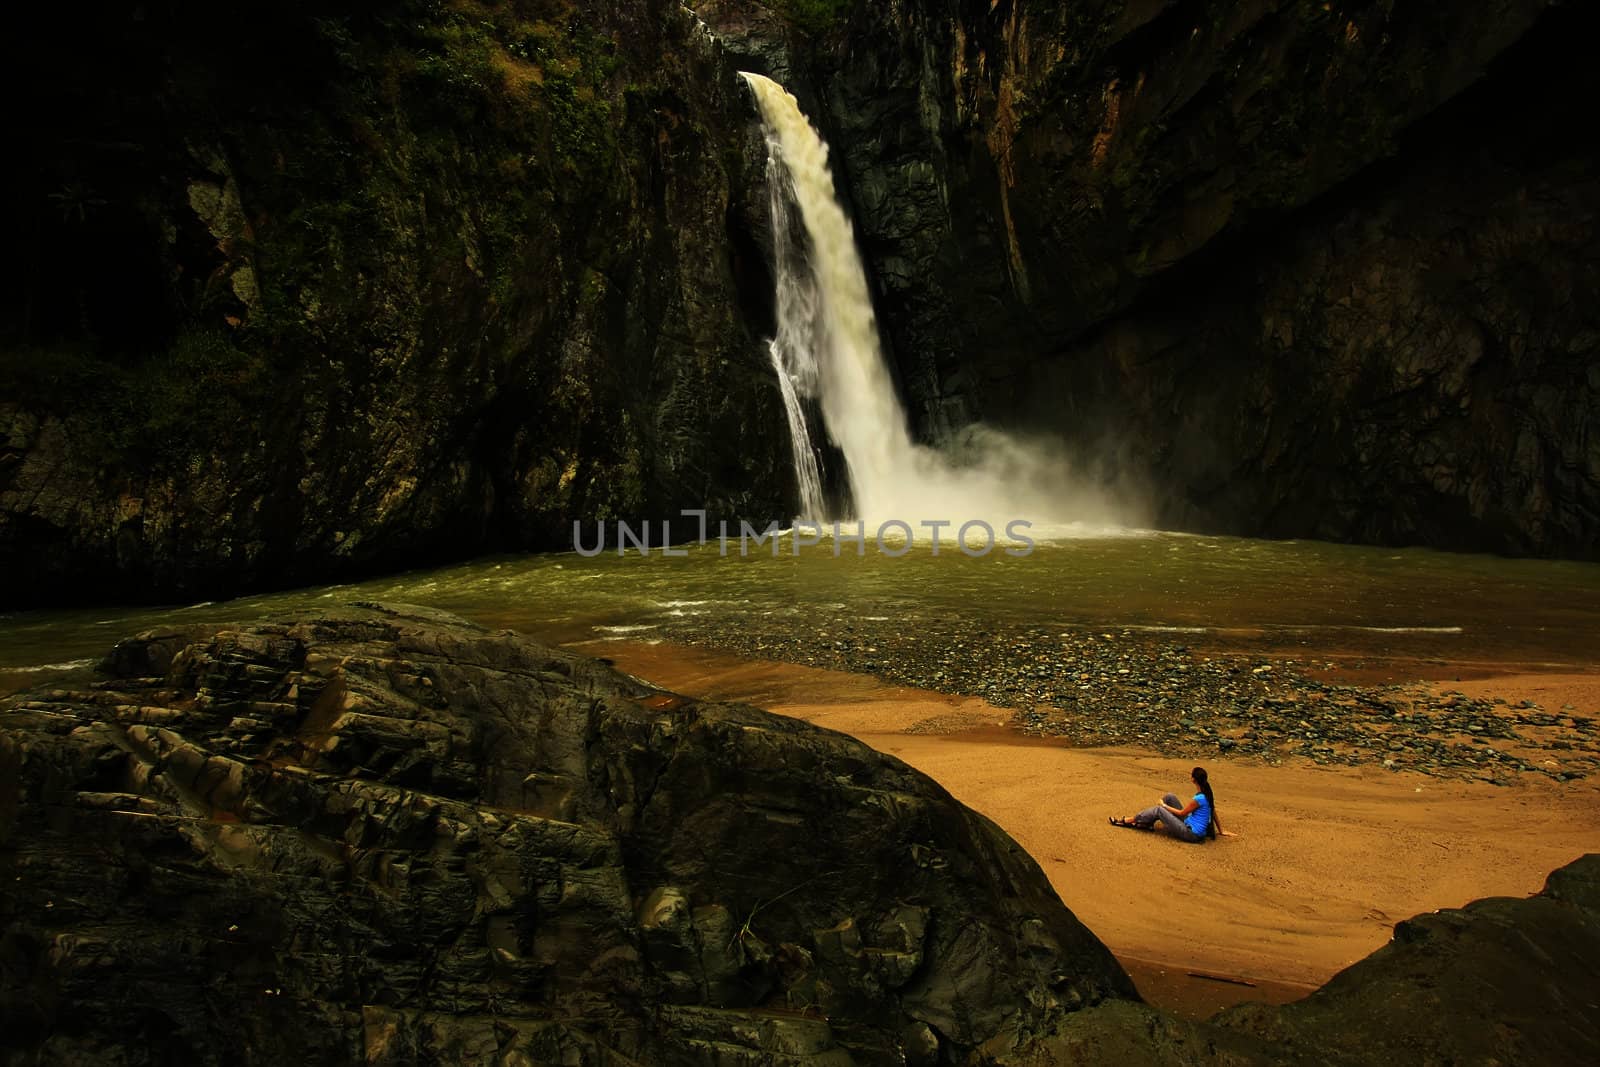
(1127, 687)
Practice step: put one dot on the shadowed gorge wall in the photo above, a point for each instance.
(1296, 269)
(310, 289)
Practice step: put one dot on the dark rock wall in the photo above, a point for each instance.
(1417, 361)
(307, 290)
(310, 289)
(1290, 269)
(390, 837)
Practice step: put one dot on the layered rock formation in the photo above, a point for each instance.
(387, 836)
(298, 291)
(384, 835)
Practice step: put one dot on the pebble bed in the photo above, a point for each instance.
(1127, 687)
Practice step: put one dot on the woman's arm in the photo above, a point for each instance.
(1187, 809)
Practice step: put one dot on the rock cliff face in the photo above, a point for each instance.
(1291, 269)
(336, 288)
(387, 836)
(384, 835)
(333, 288)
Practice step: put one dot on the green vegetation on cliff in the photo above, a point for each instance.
(425, 277)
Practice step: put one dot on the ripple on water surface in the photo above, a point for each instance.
(1420, 601)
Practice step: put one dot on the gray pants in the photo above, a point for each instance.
(1174, 824)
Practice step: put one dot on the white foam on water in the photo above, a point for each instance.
(70, 665)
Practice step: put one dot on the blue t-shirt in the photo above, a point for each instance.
(1199, 820)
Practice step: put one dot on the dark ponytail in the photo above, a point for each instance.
(1200, 779)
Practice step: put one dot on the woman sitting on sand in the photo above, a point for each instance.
(1194, 821)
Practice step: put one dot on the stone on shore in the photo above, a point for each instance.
(386, 835)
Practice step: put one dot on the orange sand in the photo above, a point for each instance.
(1325, 861)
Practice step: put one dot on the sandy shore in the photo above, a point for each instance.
(1325, 859)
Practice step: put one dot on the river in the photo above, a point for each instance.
(1271, 594)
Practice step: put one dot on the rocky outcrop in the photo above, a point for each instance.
(1285, 269)
(375, 287)
(387, 836)
(1499, 981)
(384, 835)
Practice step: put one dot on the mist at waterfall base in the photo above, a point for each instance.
(826, 351)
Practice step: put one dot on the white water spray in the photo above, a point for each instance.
(827, 347)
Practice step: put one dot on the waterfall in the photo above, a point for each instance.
(826, 328)
(807, 472)
(794, 349)
(827, 347)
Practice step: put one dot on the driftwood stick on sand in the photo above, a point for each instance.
(1219, 978)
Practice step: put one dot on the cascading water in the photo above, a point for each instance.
(807, 472)
(793, 350)
(826, 331)
(827, 347)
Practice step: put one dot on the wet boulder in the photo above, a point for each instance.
(384, 834)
